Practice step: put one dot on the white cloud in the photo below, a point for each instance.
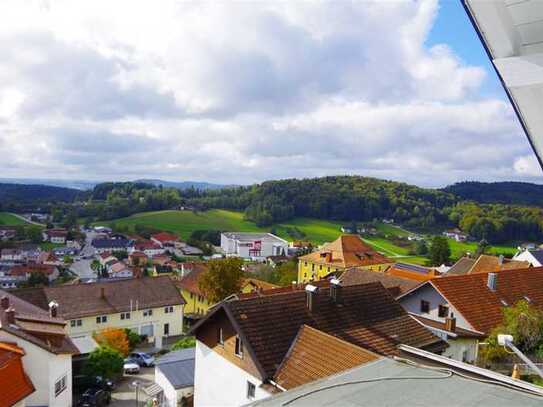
(243, 92)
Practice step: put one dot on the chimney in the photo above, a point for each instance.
(450, 323)
(53, 309)
(10, 315)
(335, 290)
(4, 302)
(102, 292)
(311, 294)
(500, 259)
(492, 281)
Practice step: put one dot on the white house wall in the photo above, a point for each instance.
(217, 382)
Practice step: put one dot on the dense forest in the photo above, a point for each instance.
(515, 193)
(342, 198)
(21, 197)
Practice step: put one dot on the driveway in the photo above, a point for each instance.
(125, 392)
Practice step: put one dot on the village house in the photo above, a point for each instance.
(7, 232)
(243, 346)
(106, 257)
(148, 247)
(484, 264)
(39, 338)
(165, 239)
(256, 246)
(534, 257)
(11, 255)
(345, 252)
(57, 235)
(25, 270)
(174, 373)
(196, 304)
(456, 234)
(464, 309)
(110, 245)
(119, 269)
(29, 251)
(148, 306)
(138, 259)
(48, 258)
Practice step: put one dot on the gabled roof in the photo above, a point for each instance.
(142, 245)
(395, 285)
(459, 332)
(256, 284)
(486, 264)
(23, 270)
(81, 300)
(190, 281)
(36, 326)
(347, 251)
(411, 271)
(462, 266)
(165, 237)
(368, 317)
(14, 382)
(315, 354)
(482, 307)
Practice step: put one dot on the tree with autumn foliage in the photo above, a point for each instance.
(223, 278)
(115, 339)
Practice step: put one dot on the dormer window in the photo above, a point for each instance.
(239, 347)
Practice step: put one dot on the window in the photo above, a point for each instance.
(320, 266)
(191, 296)
(305, 263)
(60, 385)
(424, 306)
(76, 322)
(102, 319)
(148, 313)
(125, 315)
(443, 311)
(220, 337)
(251, 390)
(168, 310)
(312, 267)
(239, 347)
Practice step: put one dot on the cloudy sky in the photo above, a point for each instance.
(249, 91)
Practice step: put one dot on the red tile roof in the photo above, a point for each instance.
(138, 254)
(395, 285)
(165, 237)
(14, 382)
(146, 245)
(480, 306)
(314, 355)
(368, 317)
(23, 270)
(347, 251)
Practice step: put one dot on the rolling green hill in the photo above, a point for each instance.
(9, 219)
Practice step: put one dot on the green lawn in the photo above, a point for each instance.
(458, 249)
(392, 230)
(185, 222)
(10, 220)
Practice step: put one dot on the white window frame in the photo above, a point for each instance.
(101, 319)
(63, 385)
(168, 309)
(148, 313)
(125, 315)
(251, 390)
(238, 344)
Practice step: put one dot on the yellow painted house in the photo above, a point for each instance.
(347, 251)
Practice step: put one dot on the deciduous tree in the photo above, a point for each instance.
(114, 338)
(223, 278)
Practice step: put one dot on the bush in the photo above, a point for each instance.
(134, 339)
(186, 342)
(114, 338)
(104, 361)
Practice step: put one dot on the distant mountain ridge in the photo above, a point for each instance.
(183, 184)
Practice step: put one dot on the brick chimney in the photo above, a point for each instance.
(311, 294)
(10, 315)
(335, 290)
(450, 323)
(4, 302)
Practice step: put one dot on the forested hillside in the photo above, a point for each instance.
(516, 193)
(20, 197)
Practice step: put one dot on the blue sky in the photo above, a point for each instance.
(242, 92)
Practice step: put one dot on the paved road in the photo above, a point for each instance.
(125, 393)
(26, 220)
(82, 268)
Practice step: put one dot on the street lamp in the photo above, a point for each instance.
(136, 384)
(507, 342)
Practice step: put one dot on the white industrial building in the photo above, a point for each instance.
(255, 246)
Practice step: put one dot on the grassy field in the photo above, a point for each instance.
(458, 249)
(10, 220)
(185, 222)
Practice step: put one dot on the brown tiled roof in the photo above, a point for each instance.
(258, 284)
(81, 300)
(346, 251)
(14, 382)
(480, 306)
(486, 263)
(395, 285)
(462, 266)
(36, 326)
(56, 232)
(190, 281)
(412, 271)
(461, 332)
(138, 254)
(22, 270)
(368, 316)
(314, 355)
(145, 245)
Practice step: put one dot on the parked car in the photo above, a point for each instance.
(130, 366)
(95, 398)
(84, 382)
(143, 359)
